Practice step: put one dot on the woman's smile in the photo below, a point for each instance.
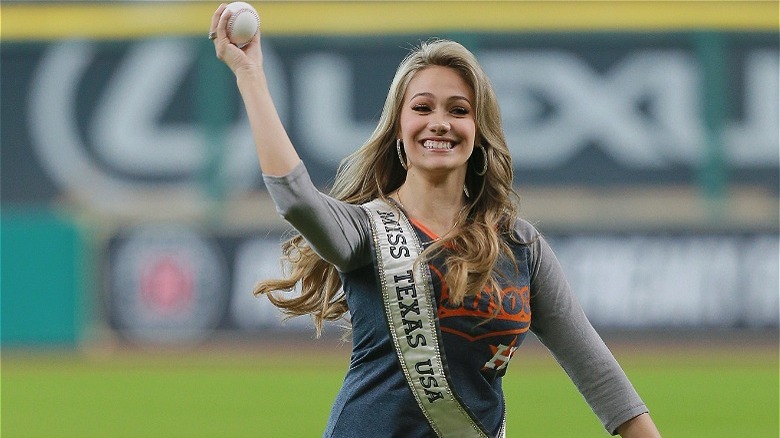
(437, 145)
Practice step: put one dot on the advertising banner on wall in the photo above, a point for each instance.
(109, 122)
(176, 283)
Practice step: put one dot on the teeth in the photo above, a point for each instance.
(431, 144)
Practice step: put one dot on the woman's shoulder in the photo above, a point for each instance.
(525, 232)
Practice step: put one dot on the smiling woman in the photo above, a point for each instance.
(421, 242)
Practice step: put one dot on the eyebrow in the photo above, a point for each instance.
(427, 94)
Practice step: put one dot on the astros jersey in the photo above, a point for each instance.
(479, 336)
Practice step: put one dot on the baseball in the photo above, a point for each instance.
(243, 23)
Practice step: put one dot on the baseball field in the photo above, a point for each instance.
(699, 387)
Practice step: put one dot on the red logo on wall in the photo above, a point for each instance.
(167, 285)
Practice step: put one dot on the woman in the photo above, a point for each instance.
(431, 339)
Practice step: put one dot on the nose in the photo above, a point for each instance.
(440, 127)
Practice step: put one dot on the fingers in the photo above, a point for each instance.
(222, 22)
(218, 31)
(218, 27)
(215, 17)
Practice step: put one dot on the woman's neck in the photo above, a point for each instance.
(435, 204)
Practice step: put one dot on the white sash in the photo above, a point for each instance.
(408, 297)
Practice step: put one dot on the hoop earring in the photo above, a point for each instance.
(398, 144)
(484, 161)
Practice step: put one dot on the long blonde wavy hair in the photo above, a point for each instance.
(374, 171)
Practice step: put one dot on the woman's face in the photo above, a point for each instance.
(437, 121)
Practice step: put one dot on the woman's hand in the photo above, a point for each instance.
(274, 150)
(641, 426)
(247, 58)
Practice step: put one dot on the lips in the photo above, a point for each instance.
(437, 145)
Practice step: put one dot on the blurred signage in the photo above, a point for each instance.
(167, 283)
(674, 280)
(179, 284)
(111, 122)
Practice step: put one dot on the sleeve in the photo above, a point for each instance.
(336, 230)
(559, 322)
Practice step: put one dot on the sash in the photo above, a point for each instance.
(407, 292)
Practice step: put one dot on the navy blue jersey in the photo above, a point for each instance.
(479, 337)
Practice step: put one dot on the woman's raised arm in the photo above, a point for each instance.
(274, 149)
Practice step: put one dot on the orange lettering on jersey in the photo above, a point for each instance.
(515, 303)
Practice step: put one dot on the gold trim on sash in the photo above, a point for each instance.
(408, 298)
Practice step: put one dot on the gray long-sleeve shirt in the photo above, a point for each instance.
(375, 399)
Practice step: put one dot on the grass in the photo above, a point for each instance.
(709, 396)
(238, 394)
(164, 397)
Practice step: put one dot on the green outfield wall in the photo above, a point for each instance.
(45, 296)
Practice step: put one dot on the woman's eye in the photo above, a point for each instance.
(421, 107)
(460, 111)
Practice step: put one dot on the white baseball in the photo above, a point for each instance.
(243, 23)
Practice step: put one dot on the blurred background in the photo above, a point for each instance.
(644, 137)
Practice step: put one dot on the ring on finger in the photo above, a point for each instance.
(212, 35)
